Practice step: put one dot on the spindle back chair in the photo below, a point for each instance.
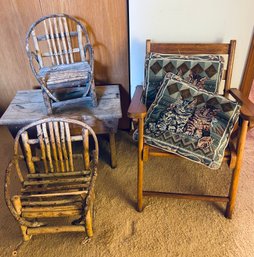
(61, 57)
(57, 176)
(234, 152)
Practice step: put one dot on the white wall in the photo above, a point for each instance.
(189, 21)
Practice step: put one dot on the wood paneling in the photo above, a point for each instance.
(106, 21)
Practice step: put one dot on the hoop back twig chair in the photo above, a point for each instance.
(234, 151)
(61, 58)
(57, 178)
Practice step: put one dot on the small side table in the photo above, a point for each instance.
(27, 106)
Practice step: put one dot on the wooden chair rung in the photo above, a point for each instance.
(57, 181)
(57, 35)
(48, 54)
(53, 188)
(209, 198)
(55, 229)
(50, 203)
(65, 174)
(50, 214)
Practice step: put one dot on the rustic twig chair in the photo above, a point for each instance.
(56, 179)
(138, 112)
(61, 59)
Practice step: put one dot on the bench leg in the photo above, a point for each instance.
(112, 143)
(47, 102)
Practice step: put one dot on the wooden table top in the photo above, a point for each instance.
(28, 106)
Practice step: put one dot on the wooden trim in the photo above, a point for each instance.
(248, 75)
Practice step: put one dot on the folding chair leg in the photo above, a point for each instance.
(236, 171)
(140, 164)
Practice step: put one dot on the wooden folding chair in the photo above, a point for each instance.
(234, 152)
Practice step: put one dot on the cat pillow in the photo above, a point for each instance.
(203, 71)
(190, 122)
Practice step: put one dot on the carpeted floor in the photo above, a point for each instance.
(166, 227)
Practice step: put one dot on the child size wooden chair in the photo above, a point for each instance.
(56, 177)
(184, 119)
(61, 58)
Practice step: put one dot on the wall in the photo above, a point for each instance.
(189, 21)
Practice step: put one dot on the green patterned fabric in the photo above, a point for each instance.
(190, 122)
(204, 72)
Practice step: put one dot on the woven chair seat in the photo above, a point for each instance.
(53, 192)
(66, 75)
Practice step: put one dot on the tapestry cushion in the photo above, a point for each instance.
(190, 122)
(204, 72)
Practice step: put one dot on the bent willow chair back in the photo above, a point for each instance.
(182, 81)
(61, 58)
(56, 176)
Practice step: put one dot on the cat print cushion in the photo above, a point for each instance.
(204, 72)
(190, 122)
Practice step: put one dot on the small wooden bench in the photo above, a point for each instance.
(27, 106)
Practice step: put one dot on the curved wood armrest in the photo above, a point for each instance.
(247, 109)
(7, 196)
(32, 57)
(88, 47)
(137, 109)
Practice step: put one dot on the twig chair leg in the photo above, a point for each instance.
(89, 227)
(26, 237)
(17, 205)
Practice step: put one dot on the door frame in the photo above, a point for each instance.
(248, 75)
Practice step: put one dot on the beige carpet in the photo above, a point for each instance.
(166, 227)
